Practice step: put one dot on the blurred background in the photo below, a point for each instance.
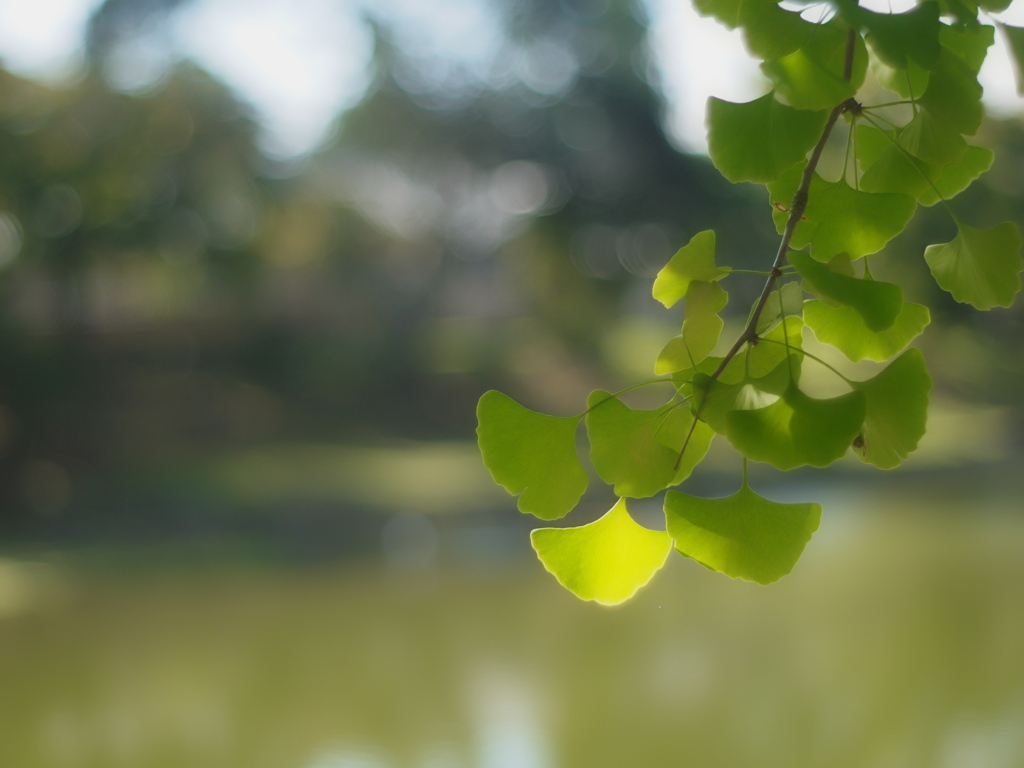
(258, 260)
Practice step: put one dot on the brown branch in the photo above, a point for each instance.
(796, 213)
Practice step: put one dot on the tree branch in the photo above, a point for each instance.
(796, 213)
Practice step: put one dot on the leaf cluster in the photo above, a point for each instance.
(911, 151)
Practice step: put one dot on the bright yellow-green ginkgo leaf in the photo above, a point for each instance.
(626, 450)
(743, 535)
(980, 267)
(759, 140)
(844, 328)
(797, 430)
(716, 399)
(606, 561)
(786, 300)
(812, 77)
(694, 261)
(532, 454)
(876, 302)
(701, 329)
(840, 219)
(897, 409)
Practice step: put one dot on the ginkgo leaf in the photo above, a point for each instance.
(909, 83)
(677, 431)
(897, 409)
(887, 168)
(701, 329)
(771, 32)
(953, 95)
(840, 219)
(933, 140)
(797, 430)
(970, 43)
(625, 449)
(760, 139)
(1015, 37)
(532, 454)
(771, 348)
(995, 5)
(897, 37)
(844, 328)
(980, 267)
(743, 535)
(876, 302)
(607, 560)
(715, 399)
(694, 261)
(812, 77)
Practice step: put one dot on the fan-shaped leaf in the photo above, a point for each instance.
(953, 95)
(812, 77)
(970, 43)
(895, 37)
(626, 451)
(743, 535)
(876, 302)
(933, 140)
(844, 328)
(1015, 37)
(759, 140)
(531, 453)
(606, 561)
(980, 267)
(840, 219)
(701, 329)
(897, 409)
(797, 430)
(694, 261)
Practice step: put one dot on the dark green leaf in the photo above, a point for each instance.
(953, 95)
(607, 560)
(531, 453)
(897, 36)
(743, 535)
(969, 43)
(876, 302)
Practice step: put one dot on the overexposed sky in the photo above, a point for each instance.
(301, 62)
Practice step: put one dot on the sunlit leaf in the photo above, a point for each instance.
(606, 561)
(759, 140)
(897, 37)
(812, 77)
(840, 219)
(797, 430)
(771, 349)
(844, 328)
(743, 535)
(701, 329)
(897, 409)
(876, 302)
(532, 454)
(980, 267)
(888, 169)
(626, 451)
(694, 261)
